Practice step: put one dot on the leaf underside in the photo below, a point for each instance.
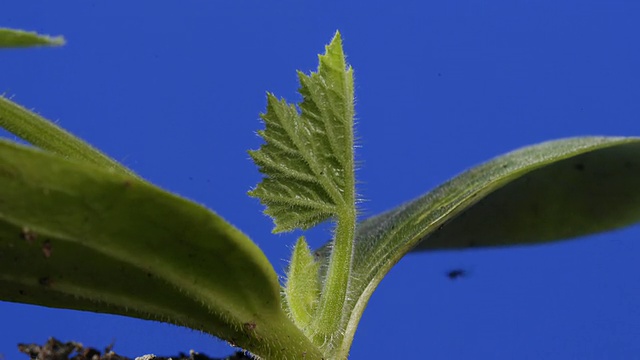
(552, 191)
(75, 236)
(17, 38)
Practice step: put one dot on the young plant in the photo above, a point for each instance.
(72, 221)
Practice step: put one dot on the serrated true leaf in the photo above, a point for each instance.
(307, 157)
(77, 236)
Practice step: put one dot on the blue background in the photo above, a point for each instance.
(173, 90)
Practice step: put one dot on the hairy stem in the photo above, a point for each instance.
(334, 293)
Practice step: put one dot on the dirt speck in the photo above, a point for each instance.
(28, 235)
(456, 274)
(45, 281)
(47, 248)
(249, 326)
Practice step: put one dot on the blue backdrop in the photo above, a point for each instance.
(174, 89)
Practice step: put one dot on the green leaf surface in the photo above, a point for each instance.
(76, 236)
(307, 157)
(552, 191)
(303, 285)
(44, 134)
(11, 38)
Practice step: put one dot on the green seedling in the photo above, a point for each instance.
(72, 220)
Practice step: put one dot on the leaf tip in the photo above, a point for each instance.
(337, 37)
(20, 39)
(335, 46)
(56, 40)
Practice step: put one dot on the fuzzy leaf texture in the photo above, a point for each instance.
(73, 235)
(303, 285)
(307, 157)
(46, 135)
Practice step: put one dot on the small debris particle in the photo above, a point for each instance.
(456, 274)
(28, 235)
(146, 357)
(250, 326)
(90, 353)
(45, 281)
(47, 248)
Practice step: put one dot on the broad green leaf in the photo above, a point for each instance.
(551, 191)
(43, 133)
(307, 160)
(303, 286)
(589, 193)
(19, 38)
(76, 236)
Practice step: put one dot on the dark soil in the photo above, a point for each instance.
(57, 350)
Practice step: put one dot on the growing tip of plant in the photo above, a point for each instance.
(308, 164)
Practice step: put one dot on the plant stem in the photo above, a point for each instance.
(329, 315)
(328, 318)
